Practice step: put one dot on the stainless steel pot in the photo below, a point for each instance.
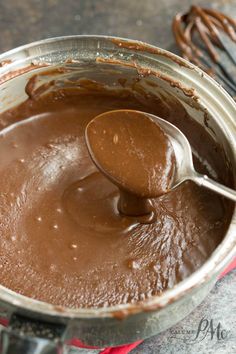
(32, 323)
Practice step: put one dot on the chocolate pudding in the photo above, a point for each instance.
(63, 239)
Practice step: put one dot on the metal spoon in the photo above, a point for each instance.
(184, 162)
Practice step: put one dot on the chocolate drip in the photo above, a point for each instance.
(134, 152)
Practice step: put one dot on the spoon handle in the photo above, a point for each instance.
(204, 181)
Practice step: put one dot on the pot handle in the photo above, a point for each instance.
(27, 336)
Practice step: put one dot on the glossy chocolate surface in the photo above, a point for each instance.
(63, 239)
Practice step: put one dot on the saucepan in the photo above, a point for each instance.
(36, 327)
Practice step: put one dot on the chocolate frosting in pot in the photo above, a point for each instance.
(63, 239)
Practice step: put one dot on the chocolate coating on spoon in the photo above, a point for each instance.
(134, 152)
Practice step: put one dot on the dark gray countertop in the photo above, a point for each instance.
(25, 21)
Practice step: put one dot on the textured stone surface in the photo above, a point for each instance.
(220, 307)
(25, 21)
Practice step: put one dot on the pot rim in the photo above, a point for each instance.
(218, 259)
